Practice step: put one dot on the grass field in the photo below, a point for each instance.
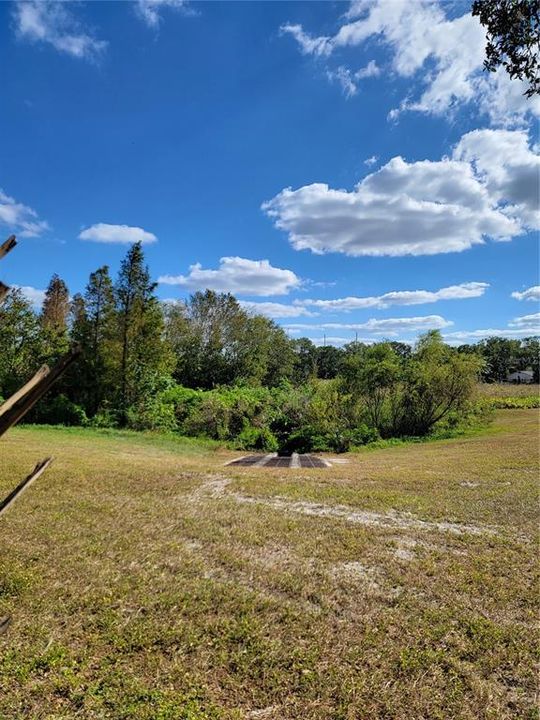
(508, 390)
(148, 580)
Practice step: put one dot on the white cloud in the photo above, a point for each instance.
(150, 10)
(382, 326)
(20, 218)
(520, 327)
(349, 79)
(124, 234)
(238, 276)
(276, 310)
(344, 77)
(370, 70)
(308, 44)
(508, 168)
(32, 294)
(52, 22)
(444, 56)
(532, 293)
(463, 336)
(371, 160)
(419, 208)
(400, 297)
(526, 321)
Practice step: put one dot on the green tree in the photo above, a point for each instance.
(370, 377)
(94, 327)
(305, 364)
(268, 356)
(501, 357)
(437, 380)
(531, 356)
(101, 341)
(513, 38)
(20, 342)
(204, 333)
(75, 383)
(329, 360)
(143, 355)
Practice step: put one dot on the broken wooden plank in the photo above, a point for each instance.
(27, 402)
(8, 245)
(43, 371)
(5, 622)
(21, 487)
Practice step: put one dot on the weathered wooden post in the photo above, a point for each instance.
(16, 407)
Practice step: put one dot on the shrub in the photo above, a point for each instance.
(362, 435)
(184, 401)
(59, 410)
(252, 438)
(104, 419)
(152, 414)
(210, 418)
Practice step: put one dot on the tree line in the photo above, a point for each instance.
(207, 366)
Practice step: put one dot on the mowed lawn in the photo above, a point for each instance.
(147, 580)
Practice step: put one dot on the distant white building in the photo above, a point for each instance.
(521, 376)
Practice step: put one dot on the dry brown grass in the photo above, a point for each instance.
(508, 390)
(147, 580)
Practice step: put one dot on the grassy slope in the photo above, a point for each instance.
(142, 586)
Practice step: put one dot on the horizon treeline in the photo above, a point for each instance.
(135, 347)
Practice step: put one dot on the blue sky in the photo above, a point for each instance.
(354, 163)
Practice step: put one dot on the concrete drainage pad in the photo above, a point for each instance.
(273, 460)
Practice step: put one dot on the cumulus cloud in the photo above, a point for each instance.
(47, 21)
(508, 168)
(383, 325)
(526, 321)
(443, 55)
(532, 293)
(419, 208)
(276, 310)
(123, 234)
(150, 10)
(400, 297)
(238, 276)
(371, 160)
(20, 218)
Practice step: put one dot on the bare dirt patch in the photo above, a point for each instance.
(392, 519)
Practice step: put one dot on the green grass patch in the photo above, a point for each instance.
(147, 580)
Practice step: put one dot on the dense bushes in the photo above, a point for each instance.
(380, 394)
(59, 410)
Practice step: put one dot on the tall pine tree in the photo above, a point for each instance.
(54, 319)
(54, 314)
(100, 343)
(143, 353)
